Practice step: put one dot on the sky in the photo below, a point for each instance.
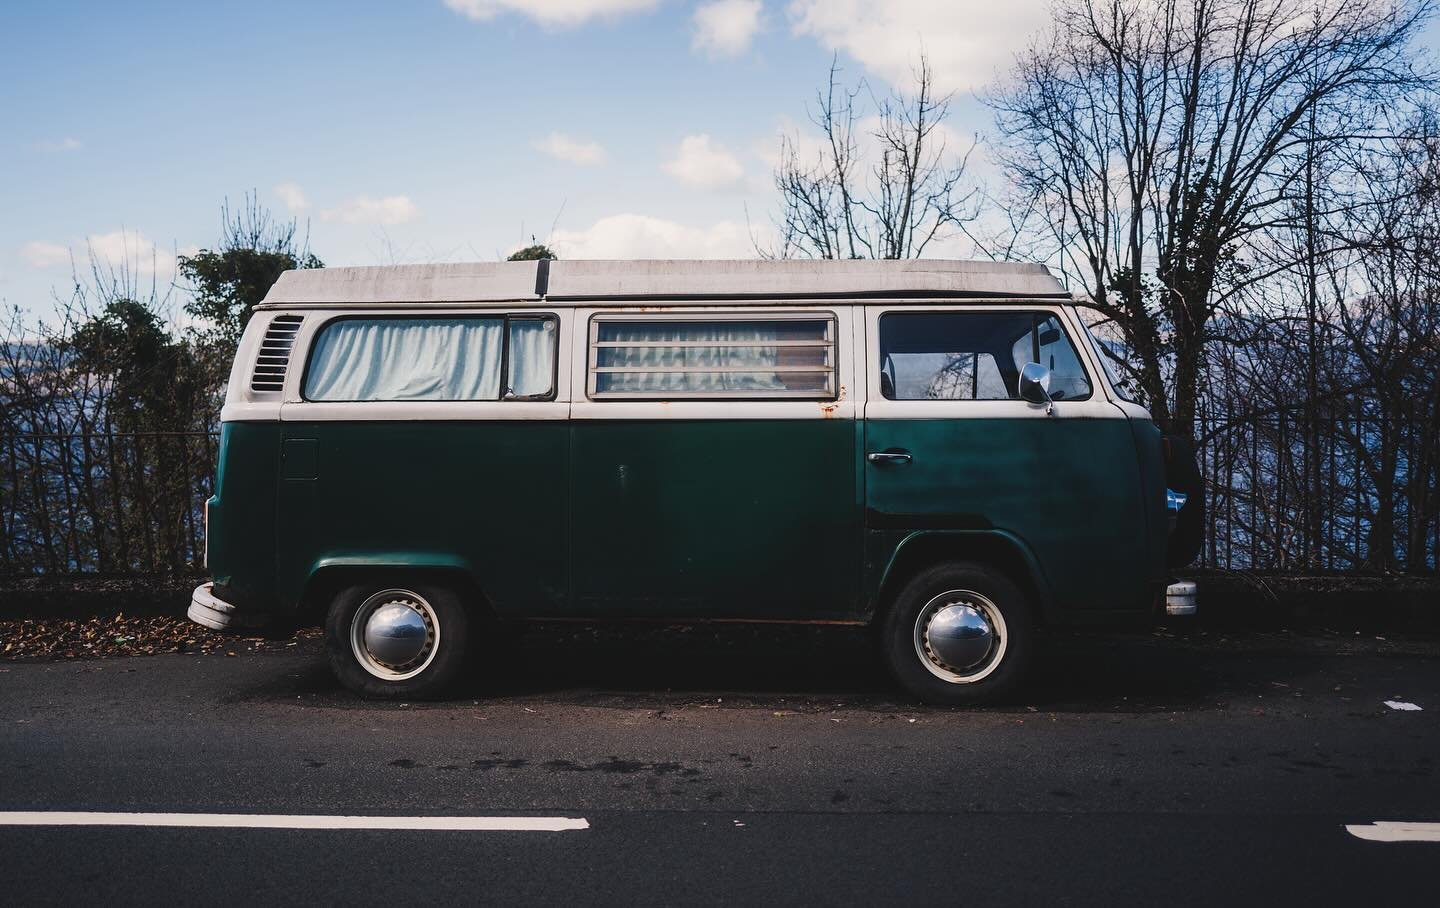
(400, 131)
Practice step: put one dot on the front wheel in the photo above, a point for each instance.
(402, 641)
(958, 635)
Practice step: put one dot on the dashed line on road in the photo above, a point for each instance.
(1385, 831)
(290, 821)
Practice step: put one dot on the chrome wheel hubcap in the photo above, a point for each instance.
(395, 634)
(960, 636)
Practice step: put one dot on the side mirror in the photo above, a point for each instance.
(1035, 386)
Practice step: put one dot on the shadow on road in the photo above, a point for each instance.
(819, 667)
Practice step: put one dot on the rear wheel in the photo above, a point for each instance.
(405, 640)
(958, 634)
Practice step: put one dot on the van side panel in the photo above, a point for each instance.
(486, 496)
(724, 518)
(242, 516)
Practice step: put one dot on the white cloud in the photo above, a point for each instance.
(124, 249)
(550, 12)
(393, 209)
(969, 42)
(132, 250)
(564, 148)
(66, 144)
(292, 197)
(810, 145)
(942, 138)
(636, 236)
(807, 140)
(45, 255)
(699, 162)
(725, 28)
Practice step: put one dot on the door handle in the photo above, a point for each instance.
(889, 457)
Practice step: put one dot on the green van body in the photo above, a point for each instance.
(688, 518)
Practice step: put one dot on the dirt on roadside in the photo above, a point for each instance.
(125, 635)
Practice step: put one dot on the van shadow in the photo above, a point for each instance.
(819, 666)
(814, 667)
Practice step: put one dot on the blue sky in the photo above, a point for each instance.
(433, 130)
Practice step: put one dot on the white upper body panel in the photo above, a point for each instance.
(852, 294)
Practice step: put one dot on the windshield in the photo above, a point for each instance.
(1124, 387)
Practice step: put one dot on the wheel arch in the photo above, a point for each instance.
(993, 548)
(329, 575)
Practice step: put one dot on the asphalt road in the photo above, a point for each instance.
(740, 766)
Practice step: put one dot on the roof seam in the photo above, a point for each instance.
(668, 281)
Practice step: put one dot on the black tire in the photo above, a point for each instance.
(436, 672)
(998, 673)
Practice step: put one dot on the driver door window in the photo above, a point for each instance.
(975, 355)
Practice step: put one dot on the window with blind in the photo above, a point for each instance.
(724, 358)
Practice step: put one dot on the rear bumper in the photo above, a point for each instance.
(209, 610)
(1181, 599)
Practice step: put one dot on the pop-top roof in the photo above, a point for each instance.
(571, 282)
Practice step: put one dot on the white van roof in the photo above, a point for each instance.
(580, 282)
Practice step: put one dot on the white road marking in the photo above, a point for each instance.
(1385, 831)
(1402, 705)
(284, 821)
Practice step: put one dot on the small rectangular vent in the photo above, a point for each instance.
(274, 355)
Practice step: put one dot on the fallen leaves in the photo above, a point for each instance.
(119, 635)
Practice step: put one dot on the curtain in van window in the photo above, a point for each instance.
(408, 359)
(532, 357)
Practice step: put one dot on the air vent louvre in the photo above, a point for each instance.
(274, 356)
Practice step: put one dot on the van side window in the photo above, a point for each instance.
(743, 357)
(974, 355)
(447, 358)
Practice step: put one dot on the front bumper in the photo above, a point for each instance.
(209, 610)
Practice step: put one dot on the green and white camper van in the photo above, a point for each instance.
(935, 448)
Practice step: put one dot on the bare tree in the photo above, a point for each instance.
(880, 186)
(1392, 340)
(1158, 138)
(1318, 410)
